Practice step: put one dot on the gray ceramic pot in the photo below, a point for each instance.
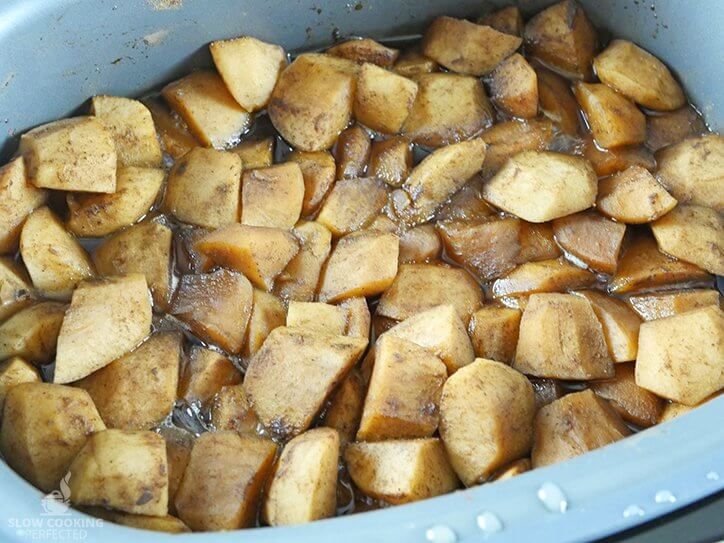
(54, 54)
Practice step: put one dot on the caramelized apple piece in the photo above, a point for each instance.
(171, 128)
(383, 99)
(412, 63)
(391, 160)
(317, 317)
(659, 305)
(514, 87)
(272, 196)
(345, 406)
(486, 419)
(448, 108)
(465, 47)
(206, 372)
(643, 266)
(633, 403)
(508, 138)
(665, 129)
(560, 337)
(365, 50)
(563, 37)
(507, 20)
(545, 276)
(609, 161)
(318, 172)
(441, 285)
(352, 204)
(694, 234)
(592, 238)
(420, 244)
(614, 120)
(18, 198)
(216, 306)
(573, 425)
(620, 324)
(680, 357)
(633, 196)
(352, 152)
(15, 288)
(494, 333)
(255, 153)
(267, 312)
(557, 101)
(231, 410)
(300, 278)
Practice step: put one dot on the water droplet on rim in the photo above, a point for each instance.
(665, 496)
(553, 498)
(440, 534)
(633, 511)
(489, 522)
(712, 476)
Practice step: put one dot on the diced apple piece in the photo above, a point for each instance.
(610, 161)
(537, 243)
(210, 111)
(441, 285)
(267, 312)
(420, 244)
(231, 410)
(383, 99)
(32, 332)
(255, 153)
(404, 391)
(573, 425)
(260, 253)
(55, 260)
(633, 403)
(300, 278)
(18, 198)
(312, 103)
(352, 204)
(665, 129)
(131, 126)
(203, 188)
(179, 443)
(137, 391)
(560, 337)
(494, 333)
(15, 288)
(221, 488)
(448, 108)
(692, 171)
(614, 120)
(357, 317)
(345, 407)
(507, 20)
(514, 87)
(401, 471)
(412, 63)
(176, 139)
(13, 372)
(352, 152)
(142, 248)
(43, 428)
(123, 470)
(106, 319)
(318, 171)
(360, 265)
(486, 419)
(555, 275)
(365, 50)
(439, 176)
(272, 196)
(467, 48)
(659, 305)
(205, 374)
(620, 324)
(539, 186)
(304, 485)
(249, 67)
(694, 234)
(562, 37)
(97, 215)
(643, 266)
(592, 238)
(639, 75)
(317, 317)
(71, 154)
(216, 306)
(307, 366)
(680, 357)
(633, 196)
(440, 330)
(557, 101)
(509, 138)
(391, 160)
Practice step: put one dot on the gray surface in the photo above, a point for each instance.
(56, 54)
